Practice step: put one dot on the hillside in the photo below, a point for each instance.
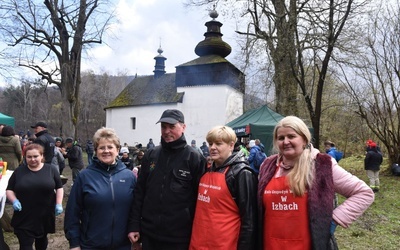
(378, 228)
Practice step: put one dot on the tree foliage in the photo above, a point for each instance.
(373, 77)
(299, 39)
(49, 38)
(33, 101)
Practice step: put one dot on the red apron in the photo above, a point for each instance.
(216, 222)
(286, 224)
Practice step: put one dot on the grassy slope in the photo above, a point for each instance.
(379, 226)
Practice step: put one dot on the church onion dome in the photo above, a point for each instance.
(213, 43)
(159, 68)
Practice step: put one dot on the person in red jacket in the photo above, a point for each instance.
(226, 208)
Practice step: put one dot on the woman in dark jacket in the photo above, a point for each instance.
(226, 209)
(97, 211)
(10, 148)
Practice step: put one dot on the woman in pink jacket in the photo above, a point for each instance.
(296, 191)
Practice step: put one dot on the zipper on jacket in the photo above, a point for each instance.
(113, 210)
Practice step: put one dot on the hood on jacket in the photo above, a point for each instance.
(6, 139)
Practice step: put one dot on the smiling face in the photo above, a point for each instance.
(107, 151)
(290, 143)
(172, 132)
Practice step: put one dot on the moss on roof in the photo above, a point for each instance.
(146, 90)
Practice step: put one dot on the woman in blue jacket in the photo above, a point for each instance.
(97, 211)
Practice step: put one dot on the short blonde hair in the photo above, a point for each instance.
(224, 133)
(108, 134)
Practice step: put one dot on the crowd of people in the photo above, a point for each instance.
(176, 196)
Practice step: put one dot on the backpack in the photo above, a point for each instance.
(396, 169)
(338, 155)
(259, 159)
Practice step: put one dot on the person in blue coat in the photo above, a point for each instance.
(97, 211)
(252, 156)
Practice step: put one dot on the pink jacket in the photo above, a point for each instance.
(359, 196)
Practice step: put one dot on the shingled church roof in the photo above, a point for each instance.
(145, 90)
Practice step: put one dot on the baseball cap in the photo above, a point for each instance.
(69, 140)
(39, 124)
(172, 116)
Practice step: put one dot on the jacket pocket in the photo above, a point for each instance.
(181, 180)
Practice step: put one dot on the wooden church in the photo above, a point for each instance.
(209, 90)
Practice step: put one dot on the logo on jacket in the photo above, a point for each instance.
(152, 165)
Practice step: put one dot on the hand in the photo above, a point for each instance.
(17, 205)
(134, 237)
(59, 209)
(333, 227)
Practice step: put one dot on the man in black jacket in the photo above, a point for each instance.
(166, 192)
(73, 153)
(45, 139)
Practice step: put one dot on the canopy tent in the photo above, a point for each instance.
(7, 120)
(257, 123)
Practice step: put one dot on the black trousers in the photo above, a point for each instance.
(26, 242)
(154, 244)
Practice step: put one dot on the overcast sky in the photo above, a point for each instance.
(143, 25)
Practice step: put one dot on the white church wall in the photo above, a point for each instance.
(146, 127)
(208, 106)
(203, 107)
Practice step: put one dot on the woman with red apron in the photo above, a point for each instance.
(296, 192)
(226, 207)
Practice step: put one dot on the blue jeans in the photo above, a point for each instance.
(90, 158)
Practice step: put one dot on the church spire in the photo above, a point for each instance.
(159, 68)
(213, 43)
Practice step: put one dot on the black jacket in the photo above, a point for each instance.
(48, 142)
(166, 192)
(373, 159)
(74, 155)
(128, 162)
(242, 184)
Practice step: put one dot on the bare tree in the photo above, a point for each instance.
(49, 37)
(374, 77)
(299, 38)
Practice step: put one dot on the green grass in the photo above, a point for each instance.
(379, 226)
